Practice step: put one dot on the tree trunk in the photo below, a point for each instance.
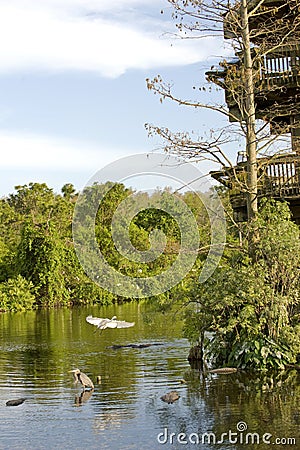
(251, 145)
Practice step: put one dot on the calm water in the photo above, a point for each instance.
(125, 411)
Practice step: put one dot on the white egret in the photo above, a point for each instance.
(102, 324)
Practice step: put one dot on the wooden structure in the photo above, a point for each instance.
(278, 178)
(277, 98)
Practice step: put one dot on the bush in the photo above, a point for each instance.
(16, 294)
(252, 308)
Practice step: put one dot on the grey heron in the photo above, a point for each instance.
(82, 378)
(102, 324)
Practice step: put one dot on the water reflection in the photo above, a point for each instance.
(83, 397)
(137, 367)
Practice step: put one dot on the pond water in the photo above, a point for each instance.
(125, 411)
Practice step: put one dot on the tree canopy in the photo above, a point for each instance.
(38, 263)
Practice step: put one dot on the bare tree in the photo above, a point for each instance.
(260, 84)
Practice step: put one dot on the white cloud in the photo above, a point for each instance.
(37, 152)
(90, 35)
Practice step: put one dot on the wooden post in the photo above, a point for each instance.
(295, 133)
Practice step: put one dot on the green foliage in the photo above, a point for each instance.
(17, 294)
(40, 260)
(251, 310)
(36, 240)
(148, 220)
(10, 225)
(88, 293)
(68, 191)
(34, 201)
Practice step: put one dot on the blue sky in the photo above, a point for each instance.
(73, 91)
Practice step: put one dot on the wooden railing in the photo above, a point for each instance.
(278, 177)
(280, 69)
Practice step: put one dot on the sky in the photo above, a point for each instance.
(73, 90)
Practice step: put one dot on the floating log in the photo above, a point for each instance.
(224, 370)
(16, 402)
(170, 397)
(116, 347)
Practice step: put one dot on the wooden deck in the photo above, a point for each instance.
(274, 28)
(280, 69)
(277, 84)
(278, 177)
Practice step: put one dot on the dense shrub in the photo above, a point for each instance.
(17, 294)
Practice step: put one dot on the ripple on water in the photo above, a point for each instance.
(124, 411)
